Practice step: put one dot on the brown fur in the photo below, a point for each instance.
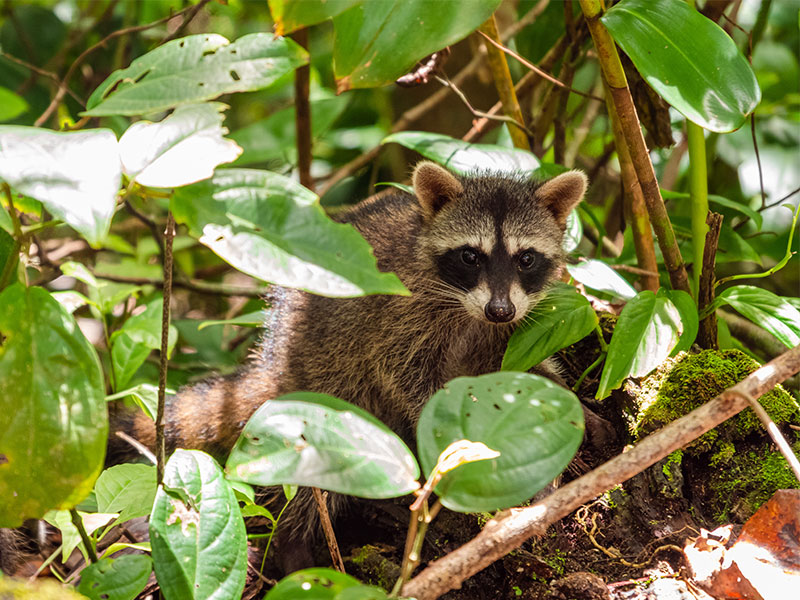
(387, 354)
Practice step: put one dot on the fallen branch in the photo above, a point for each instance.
(512, 527)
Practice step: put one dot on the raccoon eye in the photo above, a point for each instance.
(469, 257)
(527, 259)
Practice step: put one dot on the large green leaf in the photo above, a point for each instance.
(54, 426)
(765, 309)
(377, 42)
(535, 425)
(732, 246)
(196, 531)
(561, 318)
(132, 343)
(322, 441)
(597, 275)
(116, 578)
(11, 105)
(648, 329)
(270, 227)
(687, 59)
(127, 489)
(323, 584)
(183, 148)
(75, 175)
(290, 15)
(193, 69)
(462, 157)
(720, 201)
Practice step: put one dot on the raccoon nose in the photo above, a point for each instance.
(499, 310)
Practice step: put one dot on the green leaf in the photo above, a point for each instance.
(145, 395)
(687, 59)
(377, 42)
(721, 201)
(732, 246)
(183, 148)
(116, 578)
(11, 105)
(765, 309)
(193, 69)
(322, 441)
(70, 538)
(270, 227)
(132, 343)
(103, 294)
(252, 319)
(196, 530)
(597, 275)
(322, 584)
(561, 318)
(291, 15)
(462, 157)
(535, 424)
(75, 175)
(689, 318)
(54, 429)
(127, 489)
(648, 328)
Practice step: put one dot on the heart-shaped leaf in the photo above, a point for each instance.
(765, 309)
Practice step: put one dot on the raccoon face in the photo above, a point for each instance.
(494, 241)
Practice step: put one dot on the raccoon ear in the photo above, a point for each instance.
(435, 187)
(562, 193)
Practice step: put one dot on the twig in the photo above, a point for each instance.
(327, 527)
(87, 543)
(538, 71)
(169, 234)
(707, 334)
(151, 225)
(140, 447)
(758, 160)
(512, 527)
(74, 66)
(203, 287)
(187, 18)
(42, 72)
(302, 119)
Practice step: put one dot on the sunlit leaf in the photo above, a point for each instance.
(765, 309)
(597, 275)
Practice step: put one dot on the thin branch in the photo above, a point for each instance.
(538, 71)
(187, 18)
(140, 447)
(707, 334)
(758, 160)
(302, 119)
(512, 527)
(327, 527)
(87, 543)
(101, 44)
(202, 287)
(50, 75)
(169, 234)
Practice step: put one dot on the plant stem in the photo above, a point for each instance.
(504, 84)
(169, 234)
(621, 96)
(698, 193)
(11, 261)
(588, 370)
(87, 542)
(302, 120)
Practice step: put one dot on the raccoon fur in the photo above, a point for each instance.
(476, 254)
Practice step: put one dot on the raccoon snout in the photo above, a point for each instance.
(499, 310)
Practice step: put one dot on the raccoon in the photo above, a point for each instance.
(475, 252)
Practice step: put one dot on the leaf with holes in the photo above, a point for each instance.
(646, 332)
(561, 318)
(687, 59)
(377, 42)
(322, 441)
(120, 578)
(75, 175)
(194, 69)
(196, 531)
(271, 227)
(535, 425)
(462, 157)
(183, 148)
(54, 426)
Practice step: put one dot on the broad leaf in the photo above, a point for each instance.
(11, 105)
(323, 584)
(648, 328)
(75, 175)
(597, 275)
(116, 578)
(321, 441)
(132, 343)
(145, 395)
(765, 309)
(104, 295)
(183, 148)
(535, 425)
(732, 247)
(193, 69)
(561, 318)
(70, 538)
(196, 531)
(689, 318)
(462, 157)
(270, 227)
(377, 42)
(687, 59)
(290, 15)
(127, 489)
(721, 201)
(54, 426)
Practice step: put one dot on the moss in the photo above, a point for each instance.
(686, 382)
(673, 462)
